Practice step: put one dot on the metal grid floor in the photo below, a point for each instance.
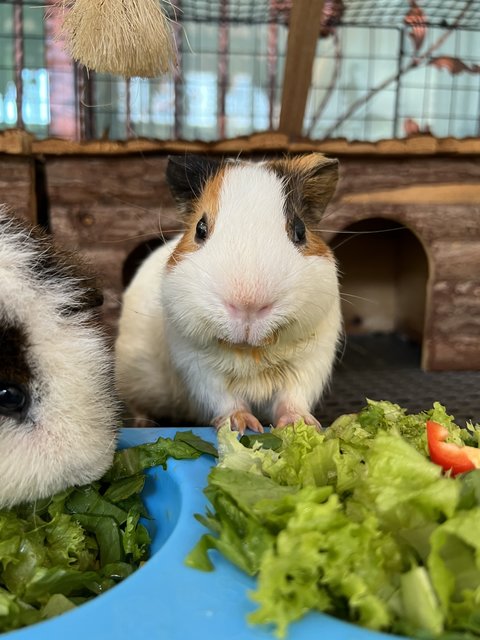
(387, 368)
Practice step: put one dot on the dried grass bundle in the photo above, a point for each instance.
(121, 37)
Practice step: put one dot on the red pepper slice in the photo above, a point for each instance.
(450, 456)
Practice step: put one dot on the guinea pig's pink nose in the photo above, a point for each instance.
(248, 310)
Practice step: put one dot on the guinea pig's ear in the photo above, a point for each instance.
(319, 177)
(310, 180)
(187, 175)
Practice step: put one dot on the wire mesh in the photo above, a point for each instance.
(354, 12)
(372, 83)
(384, 68)
(441, 13)
(387, 367)
(231, 11)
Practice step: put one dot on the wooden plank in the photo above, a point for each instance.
(442, 353)
(17, 142)
(428, 222)
(457, 259)
(378, 173)
(447, 193)
(257, 142)
(17, 186)
(107, 219)
(303, 33)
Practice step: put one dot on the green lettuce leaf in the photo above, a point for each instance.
(355, 521)
(64, 550)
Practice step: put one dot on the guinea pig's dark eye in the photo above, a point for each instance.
(299, 230)
(13, 399)
(201, 231)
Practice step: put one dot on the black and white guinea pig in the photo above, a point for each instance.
(239, 317)
(58, 408)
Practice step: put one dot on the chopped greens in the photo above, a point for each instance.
(59, 552)
(356, 522)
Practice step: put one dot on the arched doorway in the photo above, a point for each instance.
(383, 276)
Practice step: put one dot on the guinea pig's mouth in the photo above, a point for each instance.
(248, 344)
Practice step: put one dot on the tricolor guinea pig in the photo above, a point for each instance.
(58, 410)
(239, 317)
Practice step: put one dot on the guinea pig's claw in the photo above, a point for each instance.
(240, 421)
(292, 418)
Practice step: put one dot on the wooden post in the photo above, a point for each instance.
(305, 21)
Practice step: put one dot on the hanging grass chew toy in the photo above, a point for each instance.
(122, 37)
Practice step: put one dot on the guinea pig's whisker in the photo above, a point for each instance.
(139, 313)
(355, 234)
(209, 276)
(349, 232)
(343, 341)
(327, 215)
(352, 295)
(347, 301)
(300, 270)
(138, 236)
(352, 302)
(132, 205)
(134, 421)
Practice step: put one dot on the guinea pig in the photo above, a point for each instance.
(58, 407)
(239, 317)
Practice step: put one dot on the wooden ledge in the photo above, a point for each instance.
(18, 142)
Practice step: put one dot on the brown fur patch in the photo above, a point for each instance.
(243, 351)
(315, 246)
(306, 163)
(247, 350)
(206, 204)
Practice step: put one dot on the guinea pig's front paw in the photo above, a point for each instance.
(239, 421)
(291, 418)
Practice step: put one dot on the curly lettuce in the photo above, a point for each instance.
(59, 552)
(355, 521)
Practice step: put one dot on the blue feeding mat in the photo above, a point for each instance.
(165, 599)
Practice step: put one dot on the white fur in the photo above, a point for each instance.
(68, 435)
(181, 351)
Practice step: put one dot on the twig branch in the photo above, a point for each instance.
(331, 86)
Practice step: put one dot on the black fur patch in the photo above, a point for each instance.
(14, 366)
(187, 175)
(50, 263)
(295, 202)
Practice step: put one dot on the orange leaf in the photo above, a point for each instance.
(417, 22)
(331, 16)
(453, 65)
